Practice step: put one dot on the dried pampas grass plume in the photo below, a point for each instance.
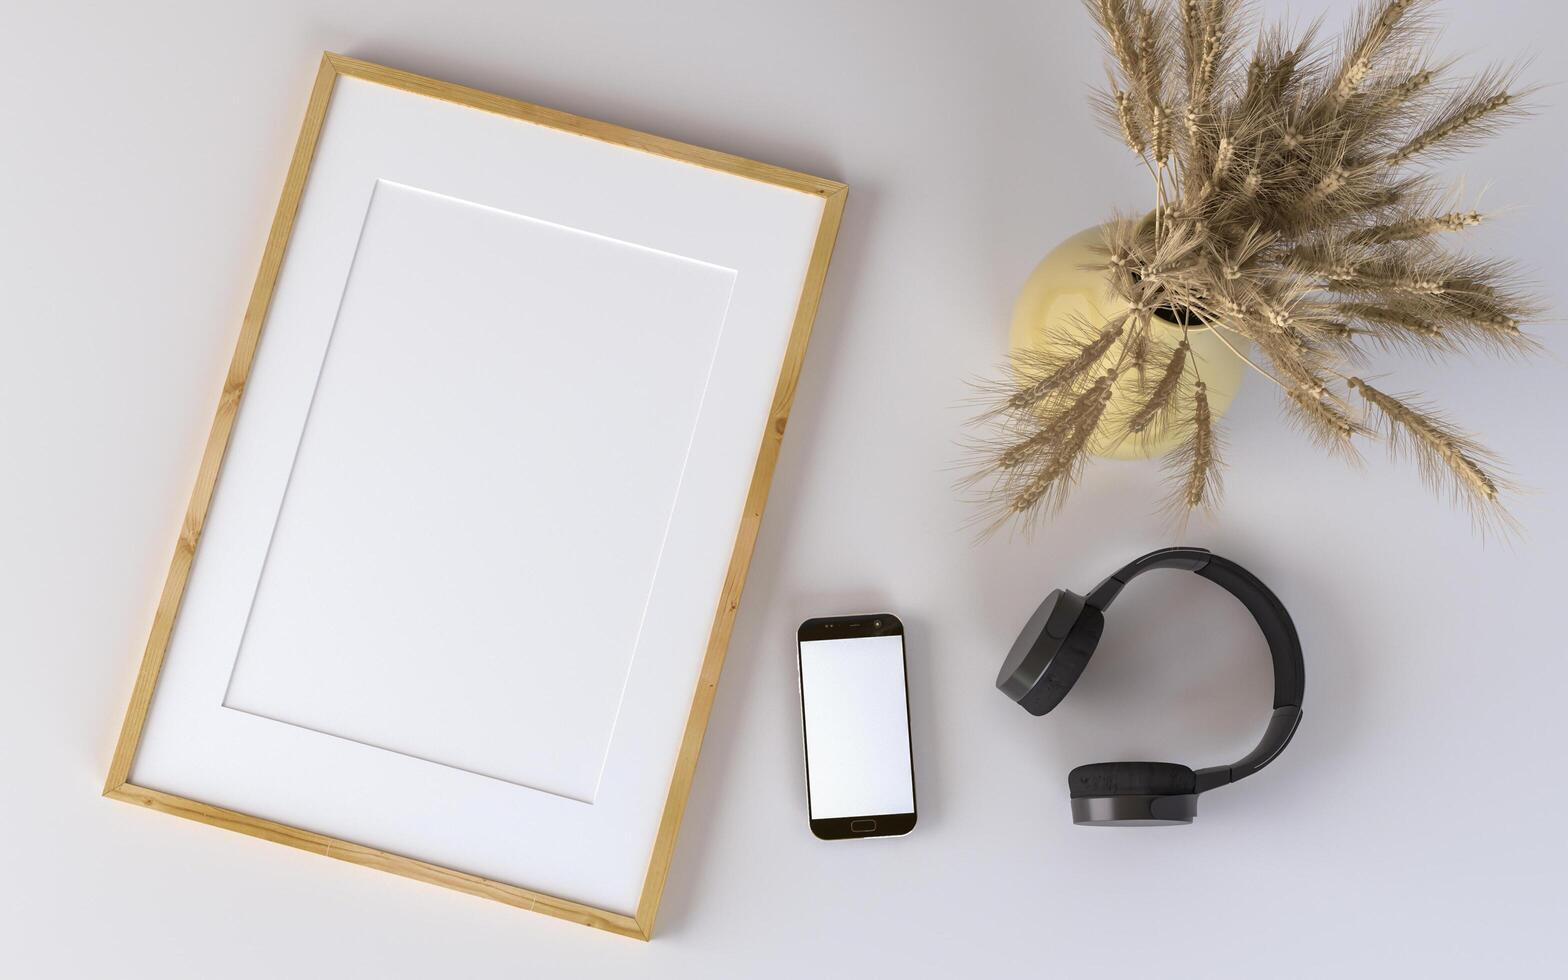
(1294, 209)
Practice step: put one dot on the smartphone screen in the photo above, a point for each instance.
(860, 775)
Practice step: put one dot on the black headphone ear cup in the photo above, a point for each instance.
(1067, 665)
(1131, 779)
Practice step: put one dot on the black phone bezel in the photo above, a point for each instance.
(845, 628)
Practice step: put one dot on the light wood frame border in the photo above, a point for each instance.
(640, 925)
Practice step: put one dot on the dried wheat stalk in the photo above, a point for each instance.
(1292, 209)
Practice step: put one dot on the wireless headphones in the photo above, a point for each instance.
(1056, 644)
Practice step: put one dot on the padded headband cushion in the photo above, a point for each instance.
(1273, 620)
(1131, 779)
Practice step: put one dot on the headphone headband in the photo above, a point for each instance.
(1272, 619)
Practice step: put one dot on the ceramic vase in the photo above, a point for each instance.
(1065, 291)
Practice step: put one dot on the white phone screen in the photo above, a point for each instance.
(857, 727)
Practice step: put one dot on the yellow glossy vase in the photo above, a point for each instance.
(1065, 290)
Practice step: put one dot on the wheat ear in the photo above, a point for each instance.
(1444, 454)
(1382, 27)
(1154, 407)
(1047, 487)
(1422, 226)
(1058, 378)
(1194, 465)
(1470, 117)
(1325, 422)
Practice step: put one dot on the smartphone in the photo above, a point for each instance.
(854, 704)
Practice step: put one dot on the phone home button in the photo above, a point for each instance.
(862, 826)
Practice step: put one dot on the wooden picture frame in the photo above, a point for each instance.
(635, 922)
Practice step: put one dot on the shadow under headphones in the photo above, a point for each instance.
(1056, 644)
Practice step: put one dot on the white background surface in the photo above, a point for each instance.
(1414, 826)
